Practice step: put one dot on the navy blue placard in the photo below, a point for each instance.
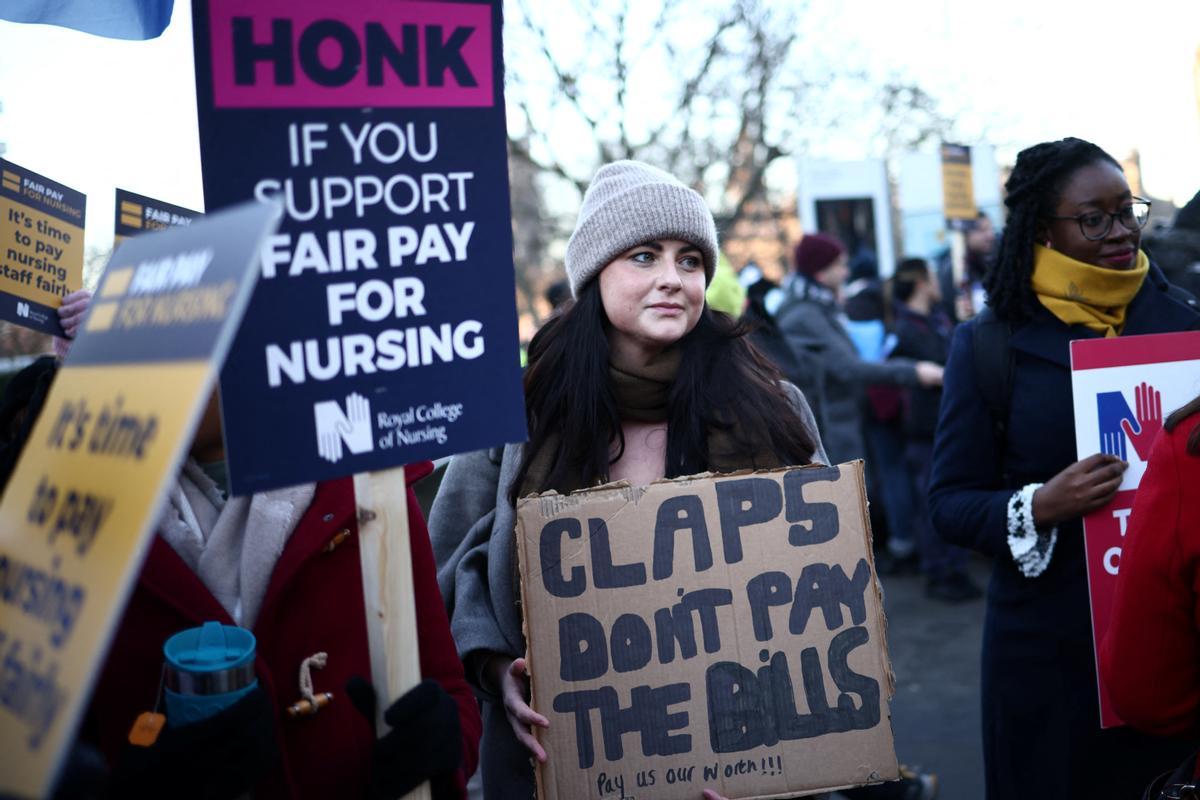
(41, 193)
(29, 314)
(135, 214)
(383, 329)
(165, 296)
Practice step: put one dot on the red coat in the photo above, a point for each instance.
(1150, 658)
(313, 603)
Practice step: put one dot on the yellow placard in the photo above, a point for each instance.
(958, 191)
(42, 255)
(41, 246)
(81, 506)
(91, 473)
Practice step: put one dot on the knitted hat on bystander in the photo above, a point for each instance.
(815, 252)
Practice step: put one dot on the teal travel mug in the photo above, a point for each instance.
(208, 669)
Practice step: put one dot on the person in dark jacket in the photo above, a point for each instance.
(811, 312)
(800, 363)
(1069, 267)
(923, 332)
(962, 296)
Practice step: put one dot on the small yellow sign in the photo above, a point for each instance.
(958, 191)
(41, 247)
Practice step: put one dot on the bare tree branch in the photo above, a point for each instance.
(712, 51)
(567, 83)
(621, 76)
(717, 110)
(522, 149)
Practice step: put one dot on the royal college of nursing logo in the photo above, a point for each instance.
(350, 426)
(1119, 425)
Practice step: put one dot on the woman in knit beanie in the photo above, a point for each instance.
(637, 380)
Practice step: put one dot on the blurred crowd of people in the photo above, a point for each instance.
(869, 354)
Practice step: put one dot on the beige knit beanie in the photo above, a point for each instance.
(629, 203)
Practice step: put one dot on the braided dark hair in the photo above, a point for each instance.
(1032, 192)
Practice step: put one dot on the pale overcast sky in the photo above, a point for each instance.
(95, 113)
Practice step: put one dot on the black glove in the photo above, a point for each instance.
(84, 775)
(213, 759)
(424, 743)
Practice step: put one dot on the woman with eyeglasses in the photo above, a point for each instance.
(1006, 480)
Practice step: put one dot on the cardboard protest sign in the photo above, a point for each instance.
(136, 213)
(709, 632)
(41, 247)
(383, 329)
(1122, 388)
(79, 511)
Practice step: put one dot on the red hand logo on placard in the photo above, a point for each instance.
(1148, 408)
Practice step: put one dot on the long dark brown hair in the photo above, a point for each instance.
(570, 403)
(1178, 416)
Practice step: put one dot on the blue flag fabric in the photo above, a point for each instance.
(114, 19)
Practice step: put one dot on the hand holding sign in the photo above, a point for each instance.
(1082, 487)
(1149, 419)
(513, 680)
(72, 311)
(423, 742)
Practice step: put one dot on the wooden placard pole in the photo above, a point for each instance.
(388, 590)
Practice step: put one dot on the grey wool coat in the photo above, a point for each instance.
(472, 528)
(807, 320)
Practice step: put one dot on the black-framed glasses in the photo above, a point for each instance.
(1095, 225)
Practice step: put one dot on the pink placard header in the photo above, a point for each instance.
(317, 54)
(1129, 351)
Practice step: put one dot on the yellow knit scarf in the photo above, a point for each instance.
(1083, 294)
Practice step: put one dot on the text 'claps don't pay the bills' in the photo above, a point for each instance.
(717, 632)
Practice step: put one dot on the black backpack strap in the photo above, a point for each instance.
(994, 371)
(1181, 295)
